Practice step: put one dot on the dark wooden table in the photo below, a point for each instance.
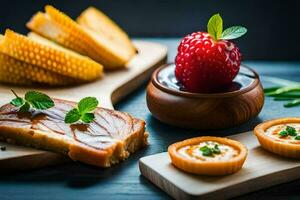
(79, 181)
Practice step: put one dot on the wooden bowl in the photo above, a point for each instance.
(238, 104)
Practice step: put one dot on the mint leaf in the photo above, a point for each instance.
(39, 100)
(215, 26)
(25, 107)
(87, 104)
(88, 117)
(233, 32)
(83, 111)
(17, 102)
(32, 98)
(72, 116)
(297, 137)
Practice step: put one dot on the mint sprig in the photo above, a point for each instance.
(35, 99)
(215, 29)
(83, 111)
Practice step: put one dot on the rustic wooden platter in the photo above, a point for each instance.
(261, 169)
(109, 90)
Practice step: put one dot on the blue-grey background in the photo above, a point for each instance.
(273, 35)
(273, 24)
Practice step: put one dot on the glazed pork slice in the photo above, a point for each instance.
(110, 138)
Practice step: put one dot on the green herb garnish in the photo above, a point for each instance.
(207, 151)
(283, 133)
(287, 91)
(216, 149)
(33, 99)
(291, 131)
(215, 29)
(297, 137)
(83, 111)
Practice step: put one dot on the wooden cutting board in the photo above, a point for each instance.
(109, 90)
(261, 170)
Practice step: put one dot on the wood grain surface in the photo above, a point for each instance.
(261, 169)
(206, 111)
(108, 90)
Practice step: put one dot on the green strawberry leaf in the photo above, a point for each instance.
(72, 116)
(39, 100)
(215, 26)
(88, 117)
(87, 104)
(233, 32)
(25, 107)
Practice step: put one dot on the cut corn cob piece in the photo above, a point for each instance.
(60, 28)
(97, 21)
(18, 72)
(49, 57)
(13, 78)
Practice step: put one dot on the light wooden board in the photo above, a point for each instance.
(261, 169)
(110, 89)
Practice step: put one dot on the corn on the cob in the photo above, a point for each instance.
(10, 77)
(97, 21)
(57, 26)
(27, 74)
(49, 57)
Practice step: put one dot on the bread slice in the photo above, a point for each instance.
(96, 21)
(110, 138)
(60, 28)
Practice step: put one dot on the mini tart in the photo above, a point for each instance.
(184, 156)
(269, 139)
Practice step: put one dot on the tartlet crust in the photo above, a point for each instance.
(208, 167)
(291, 150)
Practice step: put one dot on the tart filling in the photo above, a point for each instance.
(280, 136)
(208, 155)
(287, 133)
(208, 151)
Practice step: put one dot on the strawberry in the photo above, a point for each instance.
(208, 62)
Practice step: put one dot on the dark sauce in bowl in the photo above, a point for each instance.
(166, 77)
